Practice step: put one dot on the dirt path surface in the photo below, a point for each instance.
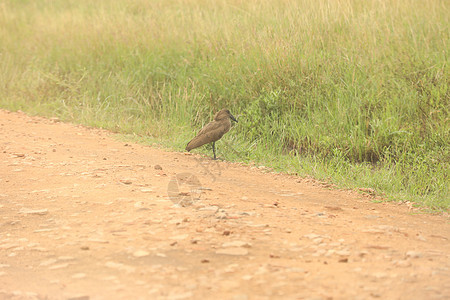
(85, 216)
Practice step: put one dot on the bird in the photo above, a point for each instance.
(213, 131)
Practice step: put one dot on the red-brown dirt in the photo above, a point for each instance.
(86, 216)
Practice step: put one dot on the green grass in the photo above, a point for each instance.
(352, 92)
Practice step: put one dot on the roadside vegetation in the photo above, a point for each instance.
(352, 92)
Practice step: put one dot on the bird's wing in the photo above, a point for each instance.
(210, 127)
(210, 133)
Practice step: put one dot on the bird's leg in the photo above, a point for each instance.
(214, 149)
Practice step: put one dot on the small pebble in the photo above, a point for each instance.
(140, 253)
(413, 254)
(233, 251)
(237, 244)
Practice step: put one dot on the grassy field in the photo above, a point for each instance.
(352, 92)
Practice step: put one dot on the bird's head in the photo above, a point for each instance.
(223, 114)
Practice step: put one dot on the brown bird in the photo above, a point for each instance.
(213, 131)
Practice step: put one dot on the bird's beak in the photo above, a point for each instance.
(233, 118)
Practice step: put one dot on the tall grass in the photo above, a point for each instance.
(354, 92)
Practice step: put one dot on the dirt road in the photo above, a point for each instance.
(86, 216)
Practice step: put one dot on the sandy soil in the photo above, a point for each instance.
(86, 216)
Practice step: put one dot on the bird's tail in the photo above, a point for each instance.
(195, 143)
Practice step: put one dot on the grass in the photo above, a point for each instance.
(352, 92)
